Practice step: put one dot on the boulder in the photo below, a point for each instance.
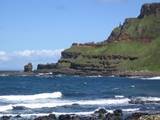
(65, 117)
(5, 117)
(50, 117)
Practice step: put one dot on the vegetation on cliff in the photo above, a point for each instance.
(133, 46)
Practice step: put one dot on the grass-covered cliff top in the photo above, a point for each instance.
(132, 46)
(137, 37)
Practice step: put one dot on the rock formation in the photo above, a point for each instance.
(132, 46)
(28, 67)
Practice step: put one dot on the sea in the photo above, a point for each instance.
(30, 96)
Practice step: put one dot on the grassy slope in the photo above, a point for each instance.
(148, 53)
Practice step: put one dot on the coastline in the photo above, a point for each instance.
(72, 72)
(100, 114)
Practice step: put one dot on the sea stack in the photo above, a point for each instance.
(28, 67)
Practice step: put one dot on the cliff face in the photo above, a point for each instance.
(144, 28)
(133, 46)
(150, 9)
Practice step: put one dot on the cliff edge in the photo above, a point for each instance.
(131, 47)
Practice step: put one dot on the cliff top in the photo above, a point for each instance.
(150, 9)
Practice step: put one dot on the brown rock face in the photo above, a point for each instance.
(150, 9)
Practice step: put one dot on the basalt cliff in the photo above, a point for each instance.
(132, 48)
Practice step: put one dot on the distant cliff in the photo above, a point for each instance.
(133, 46)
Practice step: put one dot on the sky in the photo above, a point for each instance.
(38, 30)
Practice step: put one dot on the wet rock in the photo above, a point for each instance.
(118, 114)
(101, 111)
(50, 117)
(141, 101)
(89, 118)
(18, 116)
(19, 108)
(109, 116)
(75, 117)
(65, 117)
(5, 117)
(135, 116)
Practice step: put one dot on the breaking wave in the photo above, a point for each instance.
(59, 102)
(31, 97)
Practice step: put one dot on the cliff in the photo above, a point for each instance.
(132, 46)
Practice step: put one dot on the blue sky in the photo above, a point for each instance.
(38, 30)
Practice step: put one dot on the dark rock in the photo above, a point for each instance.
(50, 117)
(65, 117)
(109, 116)
(46, 66)
(141, 101)
(89, 118)
(100, 114)
(66, 54)
(75, 117)
(136, 101)
(101, 111)
(28, 67)
(19, 108)
(118, 114)
(5, 117)
(150, 9)
(135, 116)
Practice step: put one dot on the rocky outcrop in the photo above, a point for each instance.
(73, 55)
(46, 66)
(49, 117)
(134, 29)
(150, 9)
(100, 114)
(28, 67)
(135, 116)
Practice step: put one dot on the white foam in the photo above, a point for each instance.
(46, 114)
(104, 101)
(31, 97)
(95, 76)
(154, 99)
(119, 96)
(133, 86)
(76, 113)
(5, 108)
(69, 113)
(152, 78)
(57, 103)
(131, 109)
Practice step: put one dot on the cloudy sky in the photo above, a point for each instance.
(38, 30)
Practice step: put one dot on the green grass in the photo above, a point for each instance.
(149, 59)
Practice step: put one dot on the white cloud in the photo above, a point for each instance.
(17, 59)
(41, 53)
(4, 56)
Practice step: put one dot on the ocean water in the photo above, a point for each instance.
(41, 95)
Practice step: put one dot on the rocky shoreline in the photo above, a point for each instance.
(139, 74)
(100, 114)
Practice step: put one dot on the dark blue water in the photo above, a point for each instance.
(73, 94)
